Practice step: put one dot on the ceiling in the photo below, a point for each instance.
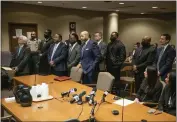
(131, 7)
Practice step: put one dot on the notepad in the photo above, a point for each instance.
(10, 99)
(7, 68)
(126, 102)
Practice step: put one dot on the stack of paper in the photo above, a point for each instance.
(126, 102)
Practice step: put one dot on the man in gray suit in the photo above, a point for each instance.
(102, 46)
(74, 52)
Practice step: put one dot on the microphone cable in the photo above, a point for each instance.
(80, 111)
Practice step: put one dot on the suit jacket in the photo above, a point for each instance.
(90, 56)
(59, 57)
(116, 55)
(143, 57)
(166, 62)
(164, 99)
(43, 49)
(74, 56)
(103, 47)
(22, 60)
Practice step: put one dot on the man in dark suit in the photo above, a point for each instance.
(74, 52)
(90, 56)
(165, 57)
(57, 57)
(143, 57)
(20, 58)
(115, 57)
(44, 66)
(102, 46)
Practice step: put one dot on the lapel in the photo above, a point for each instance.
(21, 52)
(87, 45)
(165, 51)
(70, 52)
(100, 44)
(58, 48)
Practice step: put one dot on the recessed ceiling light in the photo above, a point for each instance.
(84, 7)
(121, 3)
(117, 10)
(39, 2)
(154, 7)
(142, 13)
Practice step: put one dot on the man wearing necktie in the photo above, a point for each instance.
(165, 57)
(57, 57)
(90, 56)
(143, 57)
(74, 52)
(43, 51)
(20, 58)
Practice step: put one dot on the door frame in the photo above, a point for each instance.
(9, 32)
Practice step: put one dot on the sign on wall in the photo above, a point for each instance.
(72, 27)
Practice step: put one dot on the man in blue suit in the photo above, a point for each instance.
(57, 56)
(90, 56)
(165, 57)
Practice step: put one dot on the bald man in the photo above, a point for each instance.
(20, 58)
(143, 57)
(90, 56)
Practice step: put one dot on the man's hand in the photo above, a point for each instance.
(134, 68)
(15, 69)
(52, 63)
(136, 100)
(40, 54)
(78, 66)
(158, 73)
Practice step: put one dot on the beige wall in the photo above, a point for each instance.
(48, 17)
(57, 19)
(132, 30)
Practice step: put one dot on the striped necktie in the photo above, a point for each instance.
(160, 56)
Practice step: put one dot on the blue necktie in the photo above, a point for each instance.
(19, 50)
(160, 56)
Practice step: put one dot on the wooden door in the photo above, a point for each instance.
(13, 27)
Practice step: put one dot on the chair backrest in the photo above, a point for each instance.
(127, 69)
(76, 75)
(105, 81)
(6, 58)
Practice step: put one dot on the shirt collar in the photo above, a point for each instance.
(165, 46)
(99, 41)
(87, 41)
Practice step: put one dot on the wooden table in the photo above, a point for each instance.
(61, 109)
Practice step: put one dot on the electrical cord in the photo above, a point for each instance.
(81, 111)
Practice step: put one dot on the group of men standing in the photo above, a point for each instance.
(54, 56)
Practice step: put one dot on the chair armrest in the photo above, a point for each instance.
(6, 117)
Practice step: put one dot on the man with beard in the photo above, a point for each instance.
(90, 56)
(144, 56)
(44, 67)
(33, 43)
(115, 57)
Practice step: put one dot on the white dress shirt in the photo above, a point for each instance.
(54, 49)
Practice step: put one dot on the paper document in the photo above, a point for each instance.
(7, 68)
(126, 102)
(28, 35)
(18, 32)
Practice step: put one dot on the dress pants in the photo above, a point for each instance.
(58, 73)
(88, 78)
(116, 73)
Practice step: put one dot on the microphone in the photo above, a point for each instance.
(63, 94)
(92, 95)
(78, 98)
(104, 96)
